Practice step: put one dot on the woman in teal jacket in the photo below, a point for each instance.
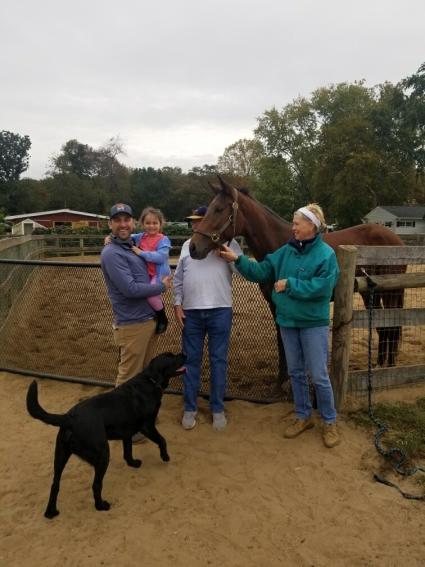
(305, 272)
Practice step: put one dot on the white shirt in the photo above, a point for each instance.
(204, 284)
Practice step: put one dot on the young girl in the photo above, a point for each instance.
(154, 248)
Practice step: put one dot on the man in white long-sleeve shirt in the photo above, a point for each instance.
(203, 306)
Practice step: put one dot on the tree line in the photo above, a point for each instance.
(348, 146)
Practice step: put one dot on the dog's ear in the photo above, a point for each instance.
(164, 366)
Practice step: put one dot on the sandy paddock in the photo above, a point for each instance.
(242, 497)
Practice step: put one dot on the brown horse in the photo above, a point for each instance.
(233, 212)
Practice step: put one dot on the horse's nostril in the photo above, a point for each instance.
(192, 250)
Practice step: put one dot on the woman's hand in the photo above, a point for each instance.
(280, 286)
(227, 254)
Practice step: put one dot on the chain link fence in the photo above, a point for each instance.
(57, 321)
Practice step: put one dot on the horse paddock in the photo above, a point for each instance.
(244, 497)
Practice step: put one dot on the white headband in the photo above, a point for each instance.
(310, 215)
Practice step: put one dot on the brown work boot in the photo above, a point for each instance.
(297, 427)
(330, 435)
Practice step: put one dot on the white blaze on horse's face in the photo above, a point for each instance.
(302, 228)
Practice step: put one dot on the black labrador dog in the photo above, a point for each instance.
(117, 414)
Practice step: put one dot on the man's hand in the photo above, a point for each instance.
(167, 281)
(180, 316)
(107, 240)
(227, 254)
(280, 285)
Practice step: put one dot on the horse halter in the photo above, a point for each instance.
(216, 236)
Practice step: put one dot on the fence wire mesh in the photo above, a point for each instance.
(57, 320)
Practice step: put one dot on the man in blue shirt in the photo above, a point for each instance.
(128, 284)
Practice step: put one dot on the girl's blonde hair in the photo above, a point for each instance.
(318, 212)
(152, 211)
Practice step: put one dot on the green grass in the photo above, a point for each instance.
(406, 431)
(406, 426)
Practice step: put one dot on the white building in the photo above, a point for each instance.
(25, 227)
(403, 220)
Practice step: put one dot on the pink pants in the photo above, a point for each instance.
(155, 301)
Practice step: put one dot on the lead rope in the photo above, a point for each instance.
(396, 456)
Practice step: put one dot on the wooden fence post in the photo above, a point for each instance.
(342, 318)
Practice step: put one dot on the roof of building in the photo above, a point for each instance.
(44, 213)
(404, 211)
(33, 222)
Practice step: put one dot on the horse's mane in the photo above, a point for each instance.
(246, 192)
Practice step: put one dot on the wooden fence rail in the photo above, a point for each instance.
(345, 318)
(391, 281)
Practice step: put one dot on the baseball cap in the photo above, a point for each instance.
(121, 208)
(198, 213)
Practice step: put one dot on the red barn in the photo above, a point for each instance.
(60, 217)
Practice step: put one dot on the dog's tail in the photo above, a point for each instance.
(36, 411)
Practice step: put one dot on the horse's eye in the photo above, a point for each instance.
(219, 209)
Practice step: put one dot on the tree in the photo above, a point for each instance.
(363, 152)
(205, 170)
(76, 158)
(241, 158)
(108, 154)
(111, 172)
(349, 147)
(151, 187)
(274, 186)
(291, 135)
(14, 157)
(414, 114)
(28, 196)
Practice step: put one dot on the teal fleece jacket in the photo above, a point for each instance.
(311, 273)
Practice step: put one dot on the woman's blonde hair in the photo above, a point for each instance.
(152, 211)
(318, 212)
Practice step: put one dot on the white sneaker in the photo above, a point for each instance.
(219, 421)
(189, 419)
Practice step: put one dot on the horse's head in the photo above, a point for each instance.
(220, 223)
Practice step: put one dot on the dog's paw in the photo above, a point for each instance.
(165, 457)
(136, 463)
(102, 505)
(51, 513)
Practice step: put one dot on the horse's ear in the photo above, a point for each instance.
(214, 187)
(226, 188)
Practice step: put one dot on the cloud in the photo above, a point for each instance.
(181, 80)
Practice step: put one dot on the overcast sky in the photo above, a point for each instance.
(179, 80)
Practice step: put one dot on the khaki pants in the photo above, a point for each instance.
(136, 345)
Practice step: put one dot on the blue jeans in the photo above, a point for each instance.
(217, 324)
(307, 348)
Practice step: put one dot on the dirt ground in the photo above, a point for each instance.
(238, 498)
